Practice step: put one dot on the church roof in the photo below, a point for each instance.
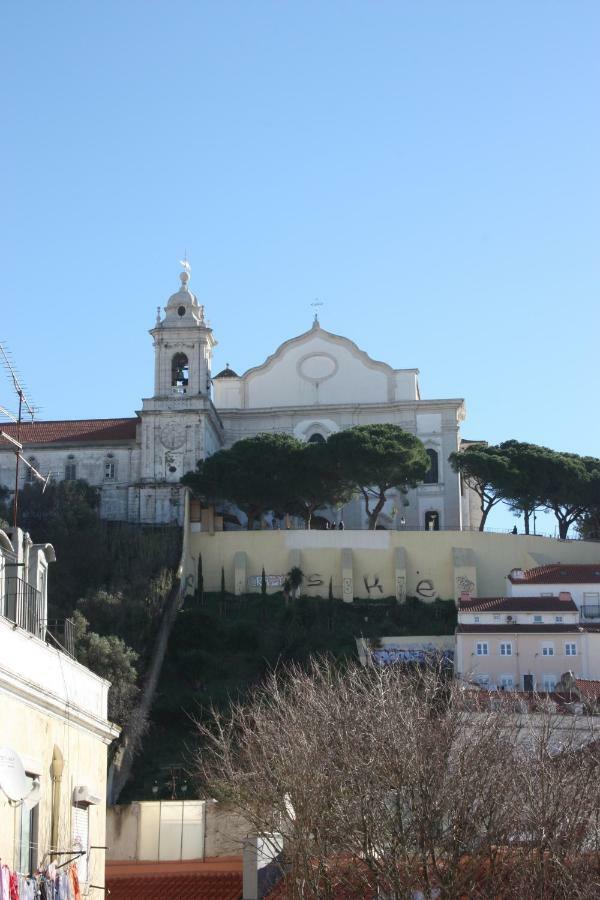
(226, 373)
(80, 431)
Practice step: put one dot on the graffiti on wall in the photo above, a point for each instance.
(426, 589)
(255, 581)
(464, 584)
(374, 586)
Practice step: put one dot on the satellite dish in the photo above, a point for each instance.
(13, 780)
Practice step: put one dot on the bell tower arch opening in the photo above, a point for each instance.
(180, 373)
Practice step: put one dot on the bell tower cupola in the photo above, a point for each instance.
(183, 345)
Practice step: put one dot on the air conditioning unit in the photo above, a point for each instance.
(82, 794)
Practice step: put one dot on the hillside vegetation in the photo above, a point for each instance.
(113, 580)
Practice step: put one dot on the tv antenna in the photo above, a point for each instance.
(24, 407)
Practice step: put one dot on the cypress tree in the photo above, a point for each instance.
(200, 586)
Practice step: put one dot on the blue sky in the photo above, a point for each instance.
(428, 170)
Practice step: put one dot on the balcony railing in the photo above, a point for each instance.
(590, 611)
(24, 605)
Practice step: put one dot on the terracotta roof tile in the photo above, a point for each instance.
(516, 628)
(517, 604)
(588, 688)
(73, 431)
(190, 886)
(559, 573)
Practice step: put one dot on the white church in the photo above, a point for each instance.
(312, 386)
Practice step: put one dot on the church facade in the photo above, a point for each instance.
(312, 386)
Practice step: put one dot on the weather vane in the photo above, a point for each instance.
(185, 263)
(316, 303)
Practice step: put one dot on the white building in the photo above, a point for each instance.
(580, 580)
(313, 385)
(54, 733)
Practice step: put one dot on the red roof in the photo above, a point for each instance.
(214, 879)
(559, 573)
(208, 886)
(73, 431)
(588, 688)
(517, 604)
(517, 628)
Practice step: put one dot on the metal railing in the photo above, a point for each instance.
(61, 633)
(590, 611)
(24, 605)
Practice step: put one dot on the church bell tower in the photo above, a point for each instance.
(179, 423)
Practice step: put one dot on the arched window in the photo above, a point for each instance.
(431, 476)
(316, 438)
(29, 476)
(70, 468)
(180, 372)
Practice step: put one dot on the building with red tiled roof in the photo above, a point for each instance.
(558, 573)
(219, 879)
(582, 581)
(562, 603)
(71, 432)
(313, 385)
(524, 642)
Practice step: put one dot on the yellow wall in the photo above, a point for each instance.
(33, 734)
(431, 558)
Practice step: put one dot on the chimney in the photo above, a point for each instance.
(261, 871)
(516, 573)
(565, 596)
(465, 596)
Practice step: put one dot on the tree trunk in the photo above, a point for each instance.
(485, 513)
(374, 515)
(563, 528)
(131, 737)
(526, 517)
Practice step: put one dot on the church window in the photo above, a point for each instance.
(181, 311)
(109, 470)
(71, 471)
(316, 438)
(431, 476)
(180, 373)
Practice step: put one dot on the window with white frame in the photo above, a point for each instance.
(558, 619)
(481, 648)
(538, 619)
(476, 618)
(549, 682)
(27, 838)
(548, 649)
(71, 470)
(80, 829)
(506, 648)
(109, 470)
(570, 649)
(507, 682)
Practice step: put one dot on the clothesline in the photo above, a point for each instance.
(46, 884)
